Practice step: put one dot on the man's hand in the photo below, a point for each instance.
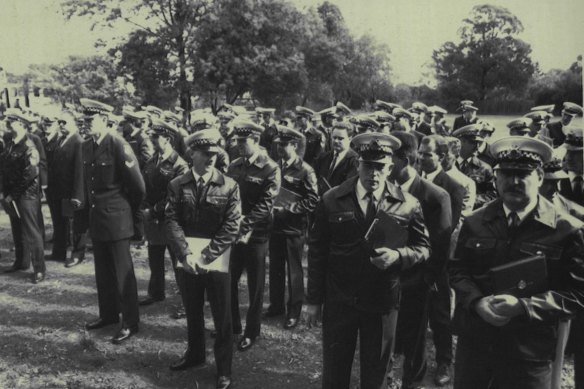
(484, 310)
(385, 258)
(506, 305)
(244, 238)
(312, 314)
(190, 264)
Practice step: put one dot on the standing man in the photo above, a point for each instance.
(158, 171)
(438, 121)
(204, 203)
(290, 227)
(270, 131)
(136, 135)
(358, 286)
(556, 129)
(573, 188)
(315, 139)
(115, 190)
(450, 167)
(423, 124)
(509, 338)
(334, 167)
(20, 197)
(258, 178)
(470, 165)
(469, 115)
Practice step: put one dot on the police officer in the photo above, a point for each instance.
(158, 171)
(315, 139)
(297, 200)
(266, 116)
(115, 190)
(470, 165)
(358, 286)
(509, 338)
(258, 178)
(136, 135)
(20, 197)
(469, 115)
(204, 203)
(423, 123)
(556, 129)
(573, 187)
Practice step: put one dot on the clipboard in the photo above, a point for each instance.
(522, 278)
(285, 198)
(197, 245)
(387, 231)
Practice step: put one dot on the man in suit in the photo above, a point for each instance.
(556, 129)
(204, 203)
(449, 166)
(297, 200)
(67, 191)
(270, 131)
(423, 123)
(438, 121)
(358, 285)
(336, 166)
(572, 188)
(469, 115)
(508, 338)
(158, 171)
(115, 189)
(20, 197)
(419, 281)
(258, 178)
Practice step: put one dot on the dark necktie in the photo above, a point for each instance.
(371, 209)
(200, 189)
(333, 163)
(513, 220)
(61, 141)
(578, 187)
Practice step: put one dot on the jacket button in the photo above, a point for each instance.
(478, 245)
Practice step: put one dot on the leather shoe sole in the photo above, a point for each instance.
(38, 277)
(123, 335)
(184, 363)
(99, 323)
(73, 262)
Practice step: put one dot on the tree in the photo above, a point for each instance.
(490, 62)
(174, 22)
(557, 86)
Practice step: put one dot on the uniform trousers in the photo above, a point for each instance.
(341, 325)
(27, 235)
(116, 283)
(286, 257)
(440, 322)
(80, 230)
(218, 288)
(250, 257)
(60, 229)
(69, 230)
(156, 285)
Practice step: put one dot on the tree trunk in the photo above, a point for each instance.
(183, 85)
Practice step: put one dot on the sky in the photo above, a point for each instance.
(34, 31)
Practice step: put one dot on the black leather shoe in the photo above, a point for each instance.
(150, 300)
(186, 362)
(124, 334)
(99, 323)
(290, 323)
(245, 344)
(73, 262)
(179, 314)
(38, 277)
(13, 269)
(223, 382)
(442, 376)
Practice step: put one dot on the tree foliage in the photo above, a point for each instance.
(557, 86)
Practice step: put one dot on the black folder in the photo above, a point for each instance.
(522, 278)
(387, 231)
(285, 198)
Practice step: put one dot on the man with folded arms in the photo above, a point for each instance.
(359, 286)
(508, 336)
(204, 203)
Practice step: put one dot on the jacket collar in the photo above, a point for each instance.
(391, 190)
(544, 212)
(216, 177)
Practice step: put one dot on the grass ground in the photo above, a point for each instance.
(43, 343)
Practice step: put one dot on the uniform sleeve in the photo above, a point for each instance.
(318, 255)
(30, 173)
(78, 181)
(131, 177)
(42, 165)
(418, 248)
(310, 190)
(566, 298)
(263, 208)
(174, 232)
(229, 230)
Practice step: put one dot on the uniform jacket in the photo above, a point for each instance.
(567, 191)
(556, 133)
(115, 188)
(437, 211)
(470, 189)
(568, 206)
(461, 122)
(157, 177)
(19, 170)
(300, 179)
(66, 173)
(259, 184)
(315, 144)
(346, 168)
(484, 242)
(43, 165)
(339, 266)
(482, 174)
(214, 214)
(456, 192)
(142, 147)
(424, 128)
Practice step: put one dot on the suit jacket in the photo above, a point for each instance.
(437, 211)
(484, 242)
(339, 263)
(66, 173)
(461, 122)
(567, 191)
(455, 190)
(556, 133)
(345, 169)
(482, 174)
(115, 188)
(43, 165)
(214, 214)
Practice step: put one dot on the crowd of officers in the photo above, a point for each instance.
(252, 185)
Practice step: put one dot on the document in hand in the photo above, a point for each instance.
(220, 264)
(286, 197)
(387, 231)
(522, 278)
